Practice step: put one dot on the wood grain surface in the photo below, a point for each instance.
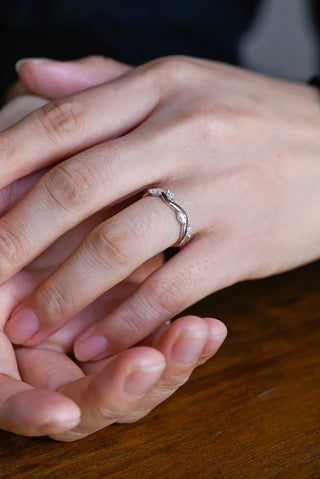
(253, 411)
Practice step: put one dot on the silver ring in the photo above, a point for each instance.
(182, 217)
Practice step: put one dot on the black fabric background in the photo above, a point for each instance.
(128, 30)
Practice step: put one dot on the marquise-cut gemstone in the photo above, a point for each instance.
(154, 191)
(170, 195)
(181, 217)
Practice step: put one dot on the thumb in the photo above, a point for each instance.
(54, 79)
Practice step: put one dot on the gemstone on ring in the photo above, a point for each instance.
(182, 218)
(170, 195)
(154, 191)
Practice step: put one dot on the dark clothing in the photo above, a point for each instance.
(127, 30)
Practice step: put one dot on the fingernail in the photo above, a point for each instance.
(188, 347)
(51, 427)
(22, 326)
(91, 348)
(21, 62)
(140, 380)
(61, 419)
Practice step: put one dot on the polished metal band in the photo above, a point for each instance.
(182, 217)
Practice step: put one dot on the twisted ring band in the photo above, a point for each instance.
(181, 216)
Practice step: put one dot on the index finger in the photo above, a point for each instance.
(64, 127)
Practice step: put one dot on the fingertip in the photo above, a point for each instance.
(184, 340)
(22, 325)
(190, 325)
(203, 336)
(23, 61)
(218, 334)
(51, 78)
(35, 77)
(148, 357)
(143, 374)
(91, 348)
(217, 328)
(37, 412)
(54, 79)
(191, 322)
(60, 418)
(56, 427)
(137, 357)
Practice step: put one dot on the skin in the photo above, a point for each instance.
(241, 153)
(43, 391)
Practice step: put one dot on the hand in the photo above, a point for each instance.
(43, 391)
(239, 150)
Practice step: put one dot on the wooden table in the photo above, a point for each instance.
(251, 412)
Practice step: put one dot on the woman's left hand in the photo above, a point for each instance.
(239, 150)
(43, 391)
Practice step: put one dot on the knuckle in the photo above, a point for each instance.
(70, 186)
(9, 152)
(166, 297)
(134, 323)
(6, 198)
(60, 120)
(210, 125)
(207, 125)
(173, 70)
(12, 248)
(111, 245)
(51, 300)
